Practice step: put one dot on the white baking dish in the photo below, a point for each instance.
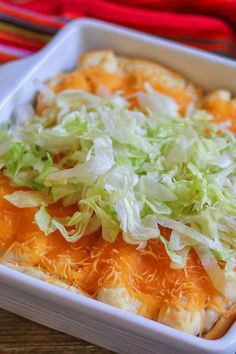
(58, 308)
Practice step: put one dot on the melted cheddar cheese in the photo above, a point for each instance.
(222, 111)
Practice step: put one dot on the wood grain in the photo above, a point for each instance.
(21, 336)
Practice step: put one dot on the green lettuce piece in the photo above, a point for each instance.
(224, 281)
(88, 172)
(178, 260)
(28, 199)
(44, 221)
(27, 165)
(83, 222)
(109, 224)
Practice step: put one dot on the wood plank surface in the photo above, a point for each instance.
(21, 336)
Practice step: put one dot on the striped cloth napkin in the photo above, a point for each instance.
(27, 25)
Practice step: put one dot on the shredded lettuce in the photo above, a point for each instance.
(178, 259)
(26, 165)
(71, 228)
(28, 199)
(157, 102)
(129, 172)
(225, 283)
(44, 221)
(88, 171)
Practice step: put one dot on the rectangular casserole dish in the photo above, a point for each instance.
(58, 308)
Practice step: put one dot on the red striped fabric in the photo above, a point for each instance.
(21, 42)
(26, 25)
(30, 16)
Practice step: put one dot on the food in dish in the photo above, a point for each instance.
(118, 185)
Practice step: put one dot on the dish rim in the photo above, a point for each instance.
(142, 326)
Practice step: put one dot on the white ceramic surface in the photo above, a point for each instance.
(58, 308)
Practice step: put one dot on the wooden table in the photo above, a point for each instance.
(21, 336)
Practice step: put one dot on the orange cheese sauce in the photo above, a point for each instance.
(222, 111)
(92, 263)
(90, 79)
(148, 276)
